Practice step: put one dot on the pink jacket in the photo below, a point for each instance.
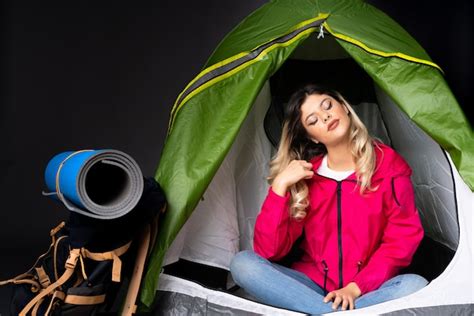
(348, 237)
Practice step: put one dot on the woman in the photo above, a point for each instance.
(351, 199)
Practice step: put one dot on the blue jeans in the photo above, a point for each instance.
(283, 287)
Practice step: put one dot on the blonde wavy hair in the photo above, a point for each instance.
(295, 144)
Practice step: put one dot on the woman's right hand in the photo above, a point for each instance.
(294, 172)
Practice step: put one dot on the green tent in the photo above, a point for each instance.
(209, 113)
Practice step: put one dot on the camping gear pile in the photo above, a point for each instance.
(214, 177)
(95, 261)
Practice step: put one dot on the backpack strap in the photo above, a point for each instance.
(70, 268)
(84, 300)
(55, 255)
(146, 242)
(43, 277)
(28, 277)
(24, 278)
(109, 255)
(55, 230)
(134, 286)
(34, 312)
(56, 295)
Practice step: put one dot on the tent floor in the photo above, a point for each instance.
(429, 261)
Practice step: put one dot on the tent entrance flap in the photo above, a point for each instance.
(222, 223)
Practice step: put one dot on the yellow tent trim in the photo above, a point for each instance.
(207, 70)
(237, 69)
(226, 61)
(378, 52)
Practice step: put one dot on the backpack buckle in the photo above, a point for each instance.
(71, 261)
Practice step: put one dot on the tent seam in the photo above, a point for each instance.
(378, 52)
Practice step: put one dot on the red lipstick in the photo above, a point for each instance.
(333, 125)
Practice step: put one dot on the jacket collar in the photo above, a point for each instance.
(388, 164)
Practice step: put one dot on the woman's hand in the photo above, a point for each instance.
(346, 296)
(294, 172)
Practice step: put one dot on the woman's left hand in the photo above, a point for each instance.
(346, 296)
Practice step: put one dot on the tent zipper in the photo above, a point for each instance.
(321, 31)
(218, 71)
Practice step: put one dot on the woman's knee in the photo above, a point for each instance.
(415, 282)
(409, 283)
(243, 265)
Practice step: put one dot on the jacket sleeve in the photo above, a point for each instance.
(275, 232)
(402, 235)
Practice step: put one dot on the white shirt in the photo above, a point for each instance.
(325, 171)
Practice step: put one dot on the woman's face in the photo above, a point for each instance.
(325, 119)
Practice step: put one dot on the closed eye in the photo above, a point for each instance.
(327, 105)
(313, 121)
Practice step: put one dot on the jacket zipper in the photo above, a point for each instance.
(326, 270)
(339, 231)
(339, 223)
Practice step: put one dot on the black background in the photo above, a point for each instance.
(96, 75)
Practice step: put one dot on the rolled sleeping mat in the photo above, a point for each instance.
(103, 184)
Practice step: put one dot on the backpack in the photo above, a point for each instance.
(92, 266)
